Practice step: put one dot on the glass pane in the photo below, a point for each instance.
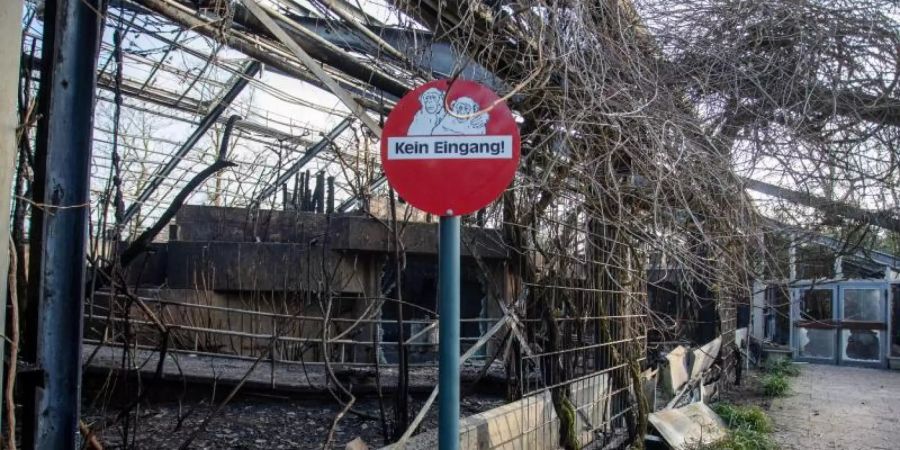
(816, 304)
(863, 304)
(815, 343)
(861, 345)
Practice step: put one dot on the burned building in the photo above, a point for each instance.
(233, 280)
(201, 198)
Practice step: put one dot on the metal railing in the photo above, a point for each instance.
(246, 334)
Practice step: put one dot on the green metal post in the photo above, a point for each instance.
(448, 375)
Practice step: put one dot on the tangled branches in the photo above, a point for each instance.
(640, 119)
(646, 115)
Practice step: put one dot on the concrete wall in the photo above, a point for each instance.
(238, 249)
(279, 261)
(343, 232)
(261, 266)
(218, 224)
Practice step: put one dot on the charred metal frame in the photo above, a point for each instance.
(59, 226)
(211, 118)
(311, 153)
(64, 141)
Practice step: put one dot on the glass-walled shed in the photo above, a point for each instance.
(832, 308)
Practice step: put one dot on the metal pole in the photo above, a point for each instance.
(59, 226)
(448, 374)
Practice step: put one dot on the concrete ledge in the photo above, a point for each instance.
(257, 266)
(362, 234)
(894, 363)
(347, 232)
(784, 353)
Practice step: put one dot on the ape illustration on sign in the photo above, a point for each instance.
(431, 119)
(450, 148)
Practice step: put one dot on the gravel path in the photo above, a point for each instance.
(834, 407)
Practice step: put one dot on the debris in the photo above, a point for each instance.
(685, 427)
(649, 380)
(704, 357)
(709, 392)
(740, 336)
(675, 373)
(357, 444)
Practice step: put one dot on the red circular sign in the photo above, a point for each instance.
(450, 149)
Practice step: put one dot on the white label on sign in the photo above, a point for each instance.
(450, 147)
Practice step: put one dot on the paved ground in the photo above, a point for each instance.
(834, 407)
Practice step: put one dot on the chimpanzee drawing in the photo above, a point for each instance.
(432, 120)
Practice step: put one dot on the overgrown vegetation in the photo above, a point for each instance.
(775, 385)
(776, 382)
(744, 417)
(782, 366)
(748, 429)
(742, 439)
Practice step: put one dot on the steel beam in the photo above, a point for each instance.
(800, 234)
(211, 117)
(437, 57)
(252, 39)
(305, 159)
(884, 219)
(375, 184)
(59, 226)
(257, 48)
(167, 99)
